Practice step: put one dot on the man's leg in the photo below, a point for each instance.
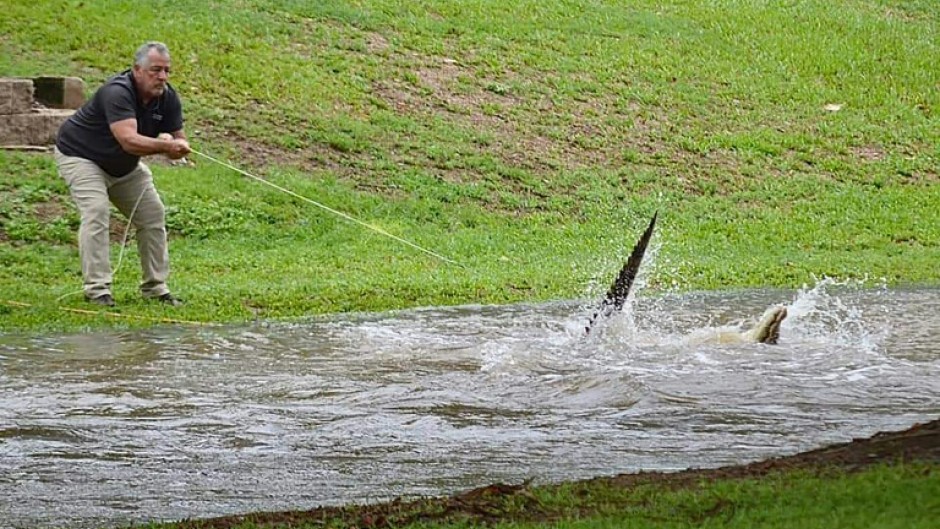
(150, 220)
(89, 188)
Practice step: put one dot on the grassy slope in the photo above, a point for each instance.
(529, 141)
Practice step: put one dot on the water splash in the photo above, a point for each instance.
(827, 312)
(359, 407)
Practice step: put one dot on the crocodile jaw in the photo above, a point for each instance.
(767, 329)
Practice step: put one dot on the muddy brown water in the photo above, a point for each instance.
(108, 429)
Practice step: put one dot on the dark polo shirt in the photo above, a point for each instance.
(87, 133)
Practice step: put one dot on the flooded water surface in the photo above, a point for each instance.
(100, 430)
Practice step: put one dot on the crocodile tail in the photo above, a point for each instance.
(620, 289)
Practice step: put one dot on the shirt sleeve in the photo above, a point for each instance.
(118, 103)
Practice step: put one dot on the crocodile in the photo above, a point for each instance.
(617, 294)
(766, 331)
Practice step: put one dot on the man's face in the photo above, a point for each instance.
(151, 76)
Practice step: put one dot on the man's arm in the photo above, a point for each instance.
(125, 132)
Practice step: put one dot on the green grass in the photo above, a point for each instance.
(880, 497)
(528, 141)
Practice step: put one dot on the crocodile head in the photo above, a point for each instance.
(767, 329)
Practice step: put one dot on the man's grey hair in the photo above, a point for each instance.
(141, 58)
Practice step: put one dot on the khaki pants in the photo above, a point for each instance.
(92, 190)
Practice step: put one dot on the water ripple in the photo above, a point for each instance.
(108, 429)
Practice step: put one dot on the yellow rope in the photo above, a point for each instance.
(331, 210)
(114, 314)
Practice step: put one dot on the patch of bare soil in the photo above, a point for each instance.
(50, 210)
(499, 502)
(544, 138)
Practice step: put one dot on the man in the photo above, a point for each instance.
(98, 149)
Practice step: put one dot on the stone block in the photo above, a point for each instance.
(13, 129)
(34, 128)
(60, 92)
(16, 95)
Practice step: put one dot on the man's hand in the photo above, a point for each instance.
(177, 148)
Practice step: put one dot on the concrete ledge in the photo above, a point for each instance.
(60, 92)
(16, 96)
(32, 110)
(36, 128)
(27, 148)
